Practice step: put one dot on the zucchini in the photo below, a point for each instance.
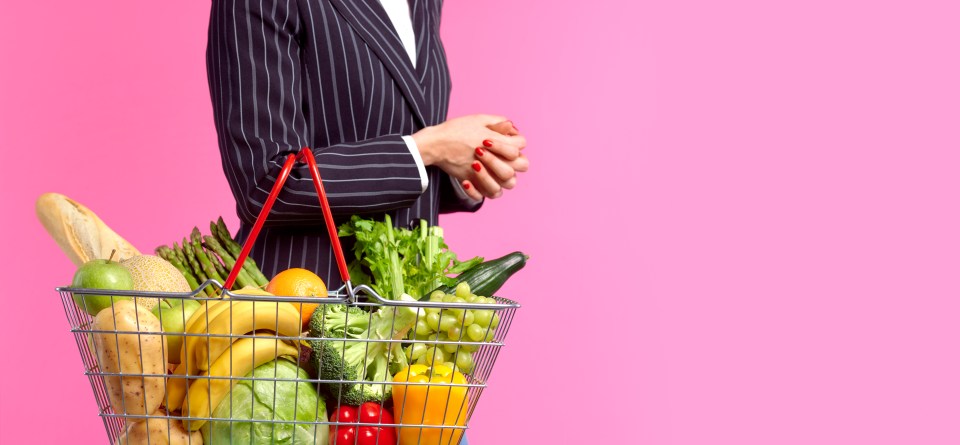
(488, 277)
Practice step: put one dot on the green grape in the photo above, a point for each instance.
(433, 321)
(448, 298)
(416, 351)
(425, 337)
(482, 318)
(466, 318)
(495, 321)
(436, 295)
(422, 328)
(490, 300)
(465, 362)
(449, 365)
(469, 348)
(451, 348)
(446, 322)
(475, 332)
(463, 290)
(432, 310)
(431, 355)
(489, 336)
(455, 333)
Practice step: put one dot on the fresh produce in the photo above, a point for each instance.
(487, 278)
(173, 314)
(243, 317)
(215, 329)
(298, 282)
(132, 355)
(100, 274)
(154, 274)
(217, 322)
(455, 325)
(362, 435)
(79, 232)
(339, 355)
(200, 258)
(158, 430)
(435, 405)
(242, 357)
(258, 410)
(401, 261)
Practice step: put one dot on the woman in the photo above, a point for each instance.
(338, 77)
(365, 85)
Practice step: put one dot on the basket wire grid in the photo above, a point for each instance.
(115, 418)
(459, 399)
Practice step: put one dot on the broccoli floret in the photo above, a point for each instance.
(341, 352)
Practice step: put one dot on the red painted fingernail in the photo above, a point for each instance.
(466, 186)
(487, 143)
(476, 166)
(479, 151)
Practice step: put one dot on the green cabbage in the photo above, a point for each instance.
(268, 404)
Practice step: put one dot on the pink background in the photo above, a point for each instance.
(742, 215)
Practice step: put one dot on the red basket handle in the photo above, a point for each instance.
(305, 155)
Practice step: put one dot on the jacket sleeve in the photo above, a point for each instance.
(256, 86)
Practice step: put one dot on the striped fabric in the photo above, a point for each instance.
(331, 75)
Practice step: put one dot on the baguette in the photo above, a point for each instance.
(79, 232)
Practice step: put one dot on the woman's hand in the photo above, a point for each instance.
(499, 169)
(483, 151)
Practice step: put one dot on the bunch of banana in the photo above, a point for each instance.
(214, 355)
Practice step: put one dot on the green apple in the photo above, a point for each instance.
(173, 314)
(100, 274)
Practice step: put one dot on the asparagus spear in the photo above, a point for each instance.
(195, 266)
(178, 254)
(221, 271)
(223, 234)
(243, 278)
(202, 257)
(169, 255)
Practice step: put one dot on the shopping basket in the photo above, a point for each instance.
(431, 409)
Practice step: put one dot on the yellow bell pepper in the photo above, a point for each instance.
(428, 402)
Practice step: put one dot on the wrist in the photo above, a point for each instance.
(426, 145)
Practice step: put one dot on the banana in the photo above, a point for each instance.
(177, 386)
(198, 327)
(244, 317)
(239, 360)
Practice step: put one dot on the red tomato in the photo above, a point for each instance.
(372, 413)
(362, 435)
(343, 434)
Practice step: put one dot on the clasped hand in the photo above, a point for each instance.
(484, 152)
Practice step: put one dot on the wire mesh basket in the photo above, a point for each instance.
(242, 368)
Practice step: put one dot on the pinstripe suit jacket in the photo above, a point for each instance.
(331, 75)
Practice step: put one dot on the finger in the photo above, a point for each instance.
(470, 190)
(491, 119)
(505, 127)
(521, 164)
(509, 184)
(507, 147)
(485, 183)
(500, 170)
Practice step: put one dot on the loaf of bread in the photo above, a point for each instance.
(79, 232)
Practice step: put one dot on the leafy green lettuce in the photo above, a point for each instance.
(399, 260)
(257, 411)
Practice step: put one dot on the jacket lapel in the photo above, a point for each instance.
(421, 19)
(373, 25)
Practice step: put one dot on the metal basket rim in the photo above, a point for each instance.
(337, 296)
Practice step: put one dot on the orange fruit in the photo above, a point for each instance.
(298, 282)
